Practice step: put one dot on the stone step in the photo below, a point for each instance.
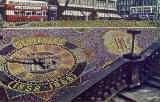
(155, 77)
(121, 98)
(142, 94)
(118, 99)
(152, 72)
(154, 83)
(156, 72)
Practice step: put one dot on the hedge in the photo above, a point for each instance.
(85, 24)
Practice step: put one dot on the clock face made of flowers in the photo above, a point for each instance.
(119, 42)
(40, 64)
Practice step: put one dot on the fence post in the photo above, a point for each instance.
(133, 71)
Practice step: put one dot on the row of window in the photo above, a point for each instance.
(125, 2)
(100, 4)
(89, 3)
(146, 2)
(27, 3)
(28, 7)
(82, 2)
(111, 5)
(30, 13)
(72, 12)
(78, 13)
(137, 2)
(144, 10)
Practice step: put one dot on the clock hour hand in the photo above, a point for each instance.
(40, 63)
(23, 62)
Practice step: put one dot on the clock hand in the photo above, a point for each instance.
(40, 63)
(14, 61)
(33, 62)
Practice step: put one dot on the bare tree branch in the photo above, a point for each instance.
(60, 9)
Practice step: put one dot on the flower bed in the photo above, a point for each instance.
(84, 24)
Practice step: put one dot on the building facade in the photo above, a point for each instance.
(123, 7)
(143, 8)
(85, 9)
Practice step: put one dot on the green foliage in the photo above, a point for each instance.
(81, 30)
(86, 24)
(1, 23)
(94, 24)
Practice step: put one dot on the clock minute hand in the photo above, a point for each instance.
(14, 61)
(33, 62)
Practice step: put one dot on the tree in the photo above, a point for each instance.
(1, 27)
(1, 22)
(93, 15)
(60, 9)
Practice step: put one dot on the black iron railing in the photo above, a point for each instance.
(151, 61)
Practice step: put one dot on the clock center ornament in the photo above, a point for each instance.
(40, 64)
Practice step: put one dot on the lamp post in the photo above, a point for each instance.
(143, 11)
(131, 55)
(157, 10)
